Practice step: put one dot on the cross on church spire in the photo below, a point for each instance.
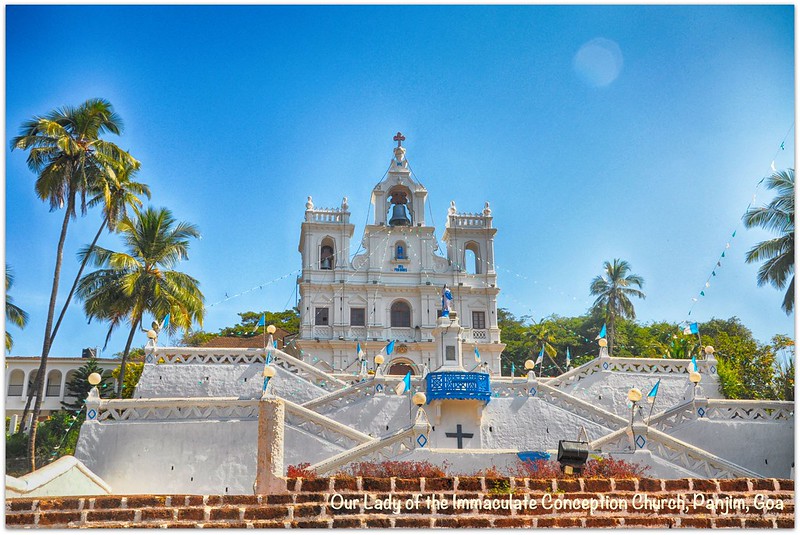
(399, 138)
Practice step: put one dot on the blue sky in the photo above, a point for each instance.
(238, 113)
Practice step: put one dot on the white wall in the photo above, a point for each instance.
(220, 380)
(763, 447)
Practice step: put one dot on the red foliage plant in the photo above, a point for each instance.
(593, 469)
(301, 470)
(402, 469)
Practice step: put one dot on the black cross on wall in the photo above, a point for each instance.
(459, 435)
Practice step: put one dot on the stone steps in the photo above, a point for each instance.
(309, 504)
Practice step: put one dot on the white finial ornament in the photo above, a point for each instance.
(309, 204)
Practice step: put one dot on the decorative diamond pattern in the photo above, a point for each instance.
(701, 412)
(92, 414)
(640, 442)
(605, 365)
(713, 369)
(149, 359)
(421, 440)
(379, 388)
(532, 391)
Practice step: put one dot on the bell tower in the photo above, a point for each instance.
(399, 200)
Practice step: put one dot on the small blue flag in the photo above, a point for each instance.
(404, 385)
(568, 359)
(390, 347)
(540, 357)
(165, 322)
(512, 369)
(477, 354)
(691, 329)
(275, 344)
(359, 351)
(602, 332)
(262, 321)
(654, 392)
(694, 363)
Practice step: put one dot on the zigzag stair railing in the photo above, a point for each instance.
(574, 375)
(338, 398)
(228, 408)
(696, 460)
(159, 409)
(750, 410)
(625, 364)
(723, 409)
(322, 426)
(385, 448)
(579, 407)
(195, 355)
(303, 369)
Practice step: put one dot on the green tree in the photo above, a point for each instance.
(78, 387)
(118, 192)
(14, 314)
(614, 289)
(776, 254)
(745, 368)
(143, 281)
(288, 320)
(133, 373)
(66, 151)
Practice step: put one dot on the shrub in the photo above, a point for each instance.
(596, 468)
(403, 469)
(301, 470)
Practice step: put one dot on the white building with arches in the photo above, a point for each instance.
(391, 288)
(21, 375)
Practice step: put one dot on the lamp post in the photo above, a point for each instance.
(634, 397)
(269, 373)
(694, 378)
(603, 343)
(269, 343)
(529, 364)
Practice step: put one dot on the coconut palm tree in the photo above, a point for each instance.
(613, 289)
(142, 280)
(66, 152)
(116, 193)
(14, 314)
(777, 253)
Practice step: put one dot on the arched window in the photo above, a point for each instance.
(400, 251)
(15, 383)
(472, 258)
(53, 389)
(32, 380)
(400, 314)
(70, 376)
(327, 254)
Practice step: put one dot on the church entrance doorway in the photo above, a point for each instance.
(400, 368)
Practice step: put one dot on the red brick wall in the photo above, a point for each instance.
(308, 504)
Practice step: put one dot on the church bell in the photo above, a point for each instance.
(399, 216)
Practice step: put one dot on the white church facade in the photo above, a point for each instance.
(391, 289)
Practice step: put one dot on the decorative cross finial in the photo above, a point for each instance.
(399, 138)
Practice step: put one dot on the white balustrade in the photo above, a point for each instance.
(385, 449)
(194, 355)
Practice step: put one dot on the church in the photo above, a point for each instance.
(216, 420)
(392, 287)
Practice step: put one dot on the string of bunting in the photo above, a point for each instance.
(718, 264)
